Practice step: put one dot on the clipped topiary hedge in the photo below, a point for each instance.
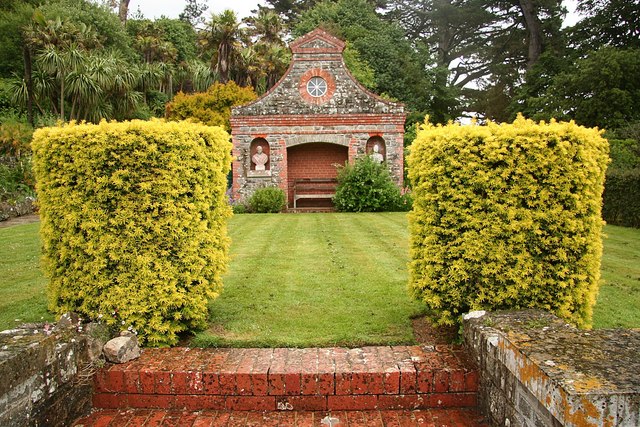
(134, 222)
(506, 217)
(622, 197)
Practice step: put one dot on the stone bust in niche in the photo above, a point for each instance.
(376, 155)
(260, 159)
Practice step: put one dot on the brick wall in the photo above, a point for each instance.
(314, 160)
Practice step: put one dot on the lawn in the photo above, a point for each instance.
(314, 279)
(22, 285)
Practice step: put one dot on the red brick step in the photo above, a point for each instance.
(157, 417)
(315, 379)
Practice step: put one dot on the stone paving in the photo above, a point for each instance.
(148, 418)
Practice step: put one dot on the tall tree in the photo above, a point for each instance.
(223, 34)
(193, 11)
(607, 23)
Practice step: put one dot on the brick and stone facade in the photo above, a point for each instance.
(306, 133)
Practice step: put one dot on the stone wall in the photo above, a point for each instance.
(46, 374)
(535, 370)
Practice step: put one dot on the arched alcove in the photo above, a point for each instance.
(380, 143)
(259, 148)
(316, 160)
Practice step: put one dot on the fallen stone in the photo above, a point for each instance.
(122, 349)
(68, 320)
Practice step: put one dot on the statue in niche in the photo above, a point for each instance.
(260, 159)
(375, 155)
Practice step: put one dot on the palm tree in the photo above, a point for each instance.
(223, 34)
(266, 27)
(59, 63)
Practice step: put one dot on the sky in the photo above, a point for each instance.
(172, 8)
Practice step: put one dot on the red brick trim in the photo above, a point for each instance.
(316, 120)
(317, 34)
(317, 72)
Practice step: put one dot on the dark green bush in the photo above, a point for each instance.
(366, 186)
(624, 153)
(621, 197)
(267, 200)
(239, 208)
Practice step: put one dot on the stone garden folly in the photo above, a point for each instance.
(316, 117)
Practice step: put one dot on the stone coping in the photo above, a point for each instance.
(582, 377)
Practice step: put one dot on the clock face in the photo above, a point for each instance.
(317, 87)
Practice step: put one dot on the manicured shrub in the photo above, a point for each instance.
(621, 198)
(134, 222)
(212, 107)
(366, 186)
(507, 216)
(267, 200)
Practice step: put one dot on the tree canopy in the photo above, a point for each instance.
(84, 59)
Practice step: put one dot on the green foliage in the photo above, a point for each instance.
(213, 107)
(601, 89)
(366, 186)
(134, 222)
(16, 179)
(15, 137)
(607, 23)
(267, 200)
(360, 69)
(624, 153)
(99, 18)
(507, 216)
(621, 198)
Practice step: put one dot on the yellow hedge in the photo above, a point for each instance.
(133, 222)
(212, 107)
(507, 216)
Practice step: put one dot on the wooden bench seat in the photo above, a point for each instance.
(313, 188)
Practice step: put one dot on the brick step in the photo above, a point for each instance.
(405, 418)
(312, 379)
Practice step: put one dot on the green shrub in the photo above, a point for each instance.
(15, 137)
(366, 186)
(133, 222)
(624, 153)
(16, 179)
(506, 217)
(621, 198)
(267, 200)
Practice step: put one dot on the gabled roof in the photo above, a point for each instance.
(318, 54)
(317, 41)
